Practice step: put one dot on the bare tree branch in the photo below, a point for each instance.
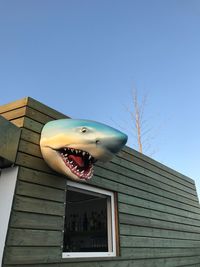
(142, 134)
(140, 125)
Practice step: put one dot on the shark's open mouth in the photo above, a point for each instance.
(78, 161)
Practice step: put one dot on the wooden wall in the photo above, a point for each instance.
(159, 215)
(9, 140)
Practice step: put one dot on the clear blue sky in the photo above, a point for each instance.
(83, 58)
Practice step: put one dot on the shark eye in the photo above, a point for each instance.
(83, 130)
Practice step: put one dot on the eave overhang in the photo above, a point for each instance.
(9, 141)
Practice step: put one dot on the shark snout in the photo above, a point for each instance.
(112, 142)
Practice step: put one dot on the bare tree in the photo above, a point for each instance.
(137, 125)
(140, 129)
(138, 118)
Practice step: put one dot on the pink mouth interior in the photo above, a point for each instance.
(79, 162)
(77, 159)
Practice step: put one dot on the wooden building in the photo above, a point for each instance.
(156, 209)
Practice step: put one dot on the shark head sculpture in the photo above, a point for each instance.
(71, 147)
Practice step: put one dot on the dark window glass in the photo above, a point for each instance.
(86, 227)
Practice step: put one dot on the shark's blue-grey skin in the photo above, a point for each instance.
(72, 146)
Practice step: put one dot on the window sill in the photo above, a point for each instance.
(89, 259)
(75, 255)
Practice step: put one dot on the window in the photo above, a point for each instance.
(89, 222)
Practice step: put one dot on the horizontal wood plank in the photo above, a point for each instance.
(37, 115)
(30, 136)
(148, 262)
(134, 241)
(45, 109)
(148, 185)
(42, 178)
(148, 160)
(165, 177)
(32, 163)
(130, 191)
(142, 253)
(39, 191)
(29, 148)
(28, 255)
(14, 105)
(22, 203)
(29, 124)
(132, 171)
(179, 210)
(32, 125)
(27, 220)
(27, 237)
(132, 230)
(155, 223)
(18, 122)
(143, 212)
(41, 255)
(14, 114)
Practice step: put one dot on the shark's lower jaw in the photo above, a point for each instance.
(79, 162)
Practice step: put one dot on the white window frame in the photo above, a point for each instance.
(110, 223)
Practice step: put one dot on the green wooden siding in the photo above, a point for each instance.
(9, 140)
(159, 215)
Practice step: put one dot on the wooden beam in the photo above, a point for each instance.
(9, 140)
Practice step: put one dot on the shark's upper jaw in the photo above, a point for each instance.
(79, 162)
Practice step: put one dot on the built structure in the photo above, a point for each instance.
(134, 212)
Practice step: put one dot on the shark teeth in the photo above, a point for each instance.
(67, 151)
(71, 159)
